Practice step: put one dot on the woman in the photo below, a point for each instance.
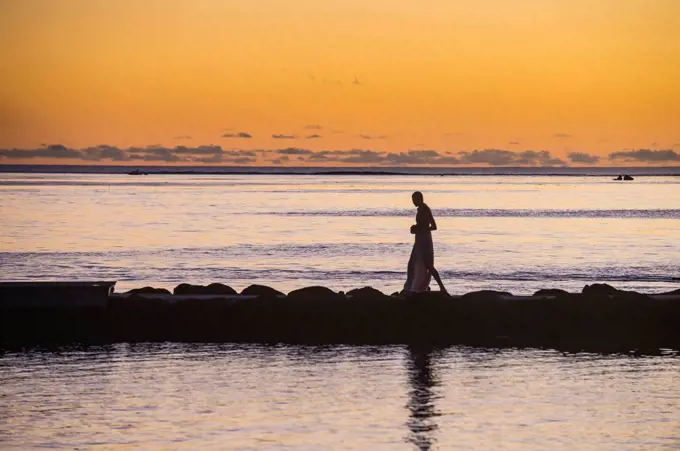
(421, 263)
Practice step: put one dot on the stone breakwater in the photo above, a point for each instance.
(600, 318)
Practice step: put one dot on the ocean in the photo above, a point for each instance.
(511, 229)
(502, 229)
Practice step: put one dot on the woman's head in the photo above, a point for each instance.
(417, 198)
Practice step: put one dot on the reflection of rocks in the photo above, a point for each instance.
(422, 411)
(601, 318)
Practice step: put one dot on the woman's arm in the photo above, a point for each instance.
(433, 225)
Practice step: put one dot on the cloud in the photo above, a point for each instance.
(313, 127)
(281, 136)
(362, 136)
(363, 156)
(50, 151)
(215, 154)
(646, 156)
(561, 135)
(314, 136)
(514, 143)
(293, 151)
(104, 152)
(183, 137)
(421, 157)
(501, 157)
(237, 135)
(582, 157)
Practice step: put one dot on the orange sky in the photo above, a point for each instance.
(585, 76)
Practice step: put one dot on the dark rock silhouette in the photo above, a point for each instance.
(599, 289)
(624, 177)
(149, 290)
(261, 290)
(366, 293)
(550, 292)
(213, 288)
(485, 294)
(137, 172)
(315, 293)
(601, 319)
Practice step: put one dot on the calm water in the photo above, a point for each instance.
(516, 233)
(171, 396)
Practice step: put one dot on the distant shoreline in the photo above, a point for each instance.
(669, 171)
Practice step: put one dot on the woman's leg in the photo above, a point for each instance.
(435, 274)
(410, 272)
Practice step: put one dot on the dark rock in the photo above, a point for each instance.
(186, 288)
(628, 177)
(149, 290)
(314, 293)
(485, 294)
(261, 290)
(366, 293)
(219, 288)
(599, 289)
(550, 292)
(213, 288)
(620, 177)
(429, 296)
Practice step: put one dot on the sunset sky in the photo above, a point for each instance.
(340, 82)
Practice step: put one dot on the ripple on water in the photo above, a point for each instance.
(167, 395)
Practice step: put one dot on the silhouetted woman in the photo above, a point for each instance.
(421, 263)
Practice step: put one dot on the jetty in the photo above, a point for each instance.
(600, 318)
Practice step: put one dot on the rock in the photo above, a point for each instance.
(366, 293)
(599, 289)
(213, 288)
(315, 293)
(219, 288)
(429, 296)
(550, 292)
(485, 294)
(261, 290)
(149, 290)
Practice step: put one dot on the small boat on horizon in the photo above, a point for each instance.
(624, 177)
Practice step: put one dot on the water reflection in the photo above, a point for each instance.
(422, 412)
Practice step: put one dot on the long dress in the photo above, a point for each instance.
(422, 255)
